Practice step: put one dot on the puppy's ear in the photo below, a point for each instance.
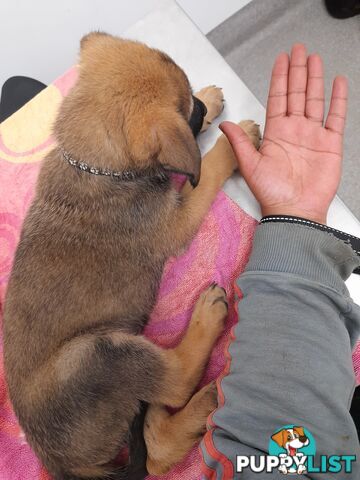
(300, 431)
(90, 38)
(280, 438)
(178, 150)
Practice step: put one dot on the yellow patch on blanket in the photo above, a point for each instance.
(26, 135)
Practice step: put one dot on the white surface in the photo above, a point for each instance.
(208, 14)
(40, 38)
(170, 30)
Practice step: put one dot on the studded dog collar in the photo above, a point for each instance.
(125, 175)
(195, 123)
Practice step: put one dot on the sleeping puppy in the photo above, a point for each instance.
(105, 218)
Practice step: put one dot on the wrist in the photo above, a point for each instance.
(301, 249)
(350, 240)
(317, 217)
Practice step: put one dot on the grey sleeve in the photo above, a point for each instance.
(290, 359)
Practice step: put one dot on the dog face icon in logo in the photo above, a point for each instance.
(292, 444)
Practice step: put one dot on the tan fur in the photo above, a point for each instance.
(89, 262)
(213, 98)
(170, 437)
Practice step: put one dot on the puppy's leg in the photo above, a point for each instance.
(95, 384)
(170, 437)
(82, 403)
(213, 99)
(216, 167)
(189, 358)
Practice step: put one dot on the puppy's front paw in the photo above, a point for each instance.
(223, 155)
(252, 130)
(213, 99)
(283, 469)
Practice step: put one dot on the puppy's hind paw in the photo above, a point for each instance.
(203, 403)
(210, 312)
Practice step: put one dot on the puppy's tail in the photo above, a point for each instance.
(136, 468)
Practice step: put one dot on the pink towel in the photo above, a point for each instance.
(219, 252)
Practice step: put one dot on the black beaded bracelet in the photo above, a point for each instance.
(353, 241)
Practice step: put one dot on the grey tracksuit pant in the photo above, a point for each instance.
(291, 355)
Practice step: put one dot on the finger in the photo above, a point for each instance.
(242, 146)
(314, 109)
(297, 81)
(277, 99)
(337, 112)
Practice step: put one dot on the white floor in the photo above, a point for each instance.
(40, 38)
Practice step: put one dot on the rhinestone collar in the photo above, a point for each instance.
(126, 175)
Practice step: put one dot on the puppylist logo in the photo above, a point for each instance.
(292, 451)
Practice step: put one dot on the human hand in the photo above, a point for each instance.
(297, 169)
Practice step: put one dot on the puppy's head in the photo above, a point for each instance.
(130, 108)
(291, 438)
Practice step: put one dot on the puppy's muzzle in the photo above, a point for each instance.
(197, 116)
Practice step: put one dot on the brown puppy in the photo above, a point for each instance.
(88, 266)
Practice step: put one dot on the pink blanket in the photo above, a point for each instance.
(226, 232)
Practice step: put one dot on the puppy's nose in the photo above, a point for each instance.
(303, 439)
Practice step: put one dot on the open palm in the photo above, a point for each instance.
(298, 166)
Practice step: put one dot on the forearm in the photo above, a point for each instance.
(291, 357)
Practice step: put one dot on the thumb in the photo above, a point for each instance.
(242, 146)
